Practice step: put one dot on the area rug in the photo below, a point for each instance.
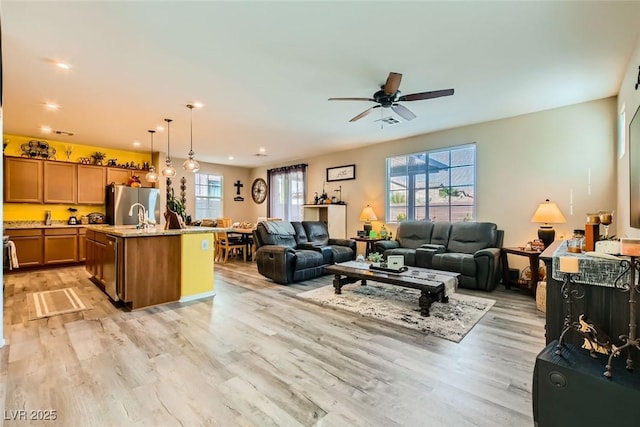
(397, 305)
(52, 303)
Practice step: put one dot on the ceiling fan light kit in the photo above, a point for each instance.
(191, 164)
(168, 171)
(389, 97)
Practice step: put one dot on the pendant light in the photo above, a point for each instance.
(191, 164)
(168, 171)
(151, 176)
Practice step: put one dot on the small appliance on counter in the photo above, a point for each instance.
(73, 220)
(47, 217)
(96, 218)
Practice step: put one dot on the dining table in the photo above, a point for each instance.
(245, 236)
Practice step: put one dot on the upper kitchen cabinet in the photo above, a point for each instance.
(60, 182)
(91, 184)
(118, 176)
(22, 180)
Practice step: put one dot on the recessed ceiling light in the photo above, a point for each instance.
(262, 150)
(63, 65)
(159, 128)
(136, 143)
(230, 157)
(51, 106)
(45, 129)
(198, 104)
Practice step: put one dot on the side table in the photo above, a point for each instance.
(534, 265)
(369, 241)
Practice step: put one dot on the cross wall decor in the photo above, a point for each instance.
(238, 197)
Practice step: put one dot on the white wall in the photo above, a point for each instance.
(237, 211)
(628, 97)
(520, 162)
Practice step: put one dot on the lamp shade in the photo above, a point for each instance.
(368, 214)
(548, 213)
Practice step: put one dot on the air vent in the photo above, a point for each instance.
(260, 155)
(389, 120)
(63, 132)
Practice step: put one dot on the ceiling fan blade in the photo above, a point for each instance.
(364, 113)
(426, 95)
(352, 99)
(403, 112)
(393, 83)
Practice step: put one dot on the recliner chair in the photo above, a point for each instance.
(289, 252)
(469, 248)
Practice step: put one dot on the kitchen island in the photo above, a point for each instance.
(146, 267)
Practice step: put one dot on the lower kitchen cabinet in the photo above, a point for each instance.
(29, 246)
(120, 266)
(48, 246)
(95, 254)
(82, 238)
(60, 245)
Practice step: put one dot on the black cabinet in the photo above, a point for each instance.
(571, 390)
(604, 305)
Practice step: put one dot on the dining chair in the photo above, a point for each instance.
(223, 222)
(226, 245)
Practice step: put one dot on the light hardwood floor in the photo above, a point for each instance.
(257, 356)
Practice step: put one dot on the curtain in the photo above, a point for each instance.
(287, 192)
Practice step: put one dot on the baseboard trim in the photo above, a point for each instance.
(198, 296)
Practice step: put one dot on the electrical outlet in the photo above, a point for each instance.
(205, 245)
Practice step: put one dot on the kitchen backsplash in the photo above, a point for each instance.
(9, 225)
(36, 212)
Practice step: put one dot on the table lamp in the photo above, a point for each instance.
(547, 213)
(367, 215)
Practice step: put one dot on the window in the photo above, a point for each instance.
(208, 196)
(436, 185)
(286, 192)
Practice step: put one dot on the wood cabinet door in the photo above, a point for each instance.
(60, 182)
(82, 248)
(99, 254)
(29, 250)
(118, 176)
(90, 260)
(22, 180)
(91, 184)
(60, 249)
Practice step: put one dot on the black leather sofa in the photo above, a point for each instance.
(469, 248)
(289, 252)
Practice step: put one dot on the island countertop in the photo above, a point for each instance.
(131, 231)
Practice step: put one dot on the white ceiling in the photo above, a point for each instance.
(264, 70)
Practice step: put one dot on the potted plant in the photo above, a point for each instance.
(175, 216)
(98, 157)
(375, 258)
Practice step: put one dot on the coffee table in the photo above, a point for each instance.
(431, 289)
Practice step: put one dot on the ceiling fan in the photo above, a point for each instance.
(388, 97)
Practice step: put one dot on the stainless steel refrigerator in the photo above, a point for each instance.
(120, 198)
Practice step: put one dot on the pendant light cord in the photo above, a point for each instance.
(168, 146)
(151, 131)
(190, 107)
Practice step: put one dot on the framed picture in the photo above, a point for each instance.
(341, 173)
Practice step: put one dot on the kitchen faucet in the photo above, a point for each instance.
(143, 217)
